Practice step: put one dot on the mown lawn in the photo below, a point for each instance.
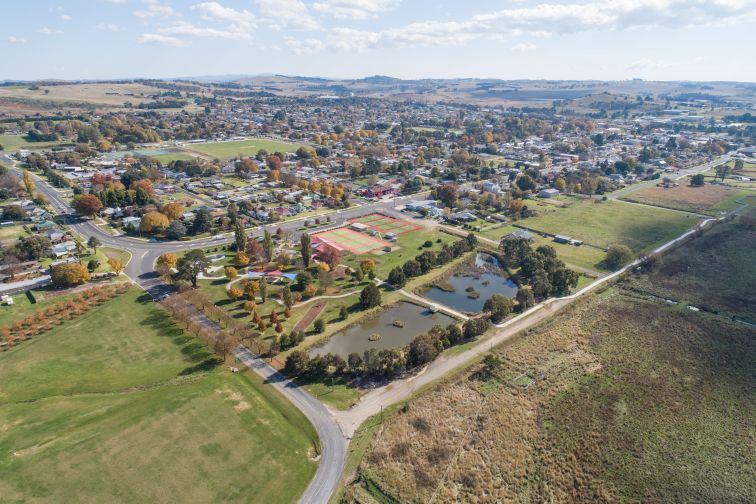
(406, 247)
(101, 409)
(227, 150)
(602, 223)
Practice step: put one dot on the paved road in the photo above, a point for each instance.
(332, 442)
(674, 176)
(144, 253)
(334, 428)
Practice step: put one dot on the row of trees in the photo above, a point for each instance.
(386, 363)
(53, 316)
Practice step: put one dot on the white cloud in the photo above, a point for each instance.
(547, 20)
(291, 14)
(108, 27)
(154, 9)
(16, 40)
(65, 17)
(114, 1)
(155, 38)
(355, 9)
(49, 31)
(241, 21)
(523, 47)
(190, 30)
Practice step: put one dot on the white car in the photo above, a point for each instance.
(218, 237)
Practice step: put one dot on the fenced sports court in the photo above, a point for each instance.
(385, 224)
(350, 241)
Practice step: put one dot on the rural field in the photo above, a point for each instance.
(228, 150)
(714, 272)
(12, 143)
(73, 95)
(602, 223)
(126, 411)
(708, 199)
(582, 406)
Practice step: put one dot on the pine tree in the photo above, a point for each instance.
(240, 236)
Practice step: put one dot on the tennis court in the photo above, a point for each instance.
(384, 224)
(350, 241)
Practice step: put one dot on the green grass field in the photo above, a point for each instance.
(601, 223)
(12, 143)
(227, 150)
(174, 156)
(97, 410)
(406, 247)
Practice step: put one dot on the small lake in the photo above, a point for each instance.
(417, 320)
(484, 281)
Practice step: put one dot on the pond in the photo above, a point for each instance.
(416, 319)
(468, 289)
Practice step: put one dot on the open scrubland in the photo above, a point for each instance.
(621, 397)
(119, 405)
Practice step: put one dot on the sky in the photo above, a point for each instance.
(513, 39)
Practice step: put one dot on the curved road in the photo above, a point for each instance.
(144, 253)
(334, 428)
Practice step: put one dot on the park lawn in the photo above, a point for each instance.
(109, 252)
(22, 306)
(407, 246)
(228, 150)
(213, 437)
(173, 156)
(235, 181)
(127, 342)
(602, 223)
(12, 143)
(93, 412)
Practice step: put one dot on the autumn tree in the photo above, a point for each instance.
(173, 211)
(87, 204)
(231, 272)
(29, 183)
(241, 259)
(235, 293)
(69, 274)
(116, 265)
(165, 263)
(153, 222)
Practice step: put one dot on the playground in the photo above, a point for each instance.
(384, 224)
(345, 239)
